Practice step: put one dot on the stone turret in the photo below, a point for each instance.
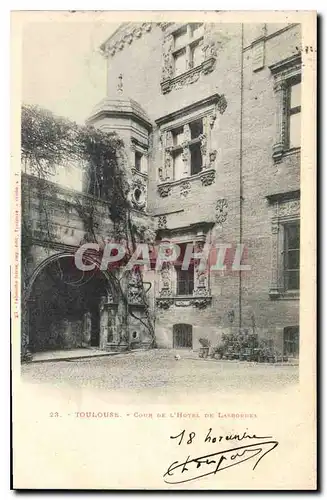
(123, 115)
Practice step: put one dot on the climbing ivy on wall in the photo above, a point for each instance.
(48, 141)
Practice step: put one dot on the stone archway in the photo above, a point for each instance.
(63, 305)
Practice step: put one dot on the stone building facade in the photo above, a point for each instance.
(210, 117)
(220, 160)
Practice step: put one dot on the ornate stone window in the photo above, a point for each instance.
(291, 341)
(186, 146)
(285, 276)
(189, 50)
(139, 159)
(287, 86)
(184, 287)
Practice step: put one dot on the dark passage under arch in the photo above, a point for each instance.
(64, 307)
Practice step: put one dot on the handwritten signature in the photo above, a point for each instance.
(206, 465)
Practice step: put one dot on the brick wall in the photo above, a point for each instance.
(248, 163)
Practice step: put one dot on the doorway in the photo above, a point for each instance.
(182, 336)
(291, 341)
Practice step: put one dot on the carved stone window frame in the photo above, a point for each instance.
(169, 80)
(286, 73)
(201, 296)
(285, 210)
(139, 147)
(206, 110)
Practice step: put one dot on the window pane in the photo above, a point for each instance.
(181, 38)
(292, 280)
(291, 340)
(178, 136)
(185, 281)
(196, 159)
(196, 128)
(178, 165)
(180, 62)
(293, 259)
(196, 55)
(138, 159)
(295, 95)
(196, 30)
(293, 236)
(295, 130)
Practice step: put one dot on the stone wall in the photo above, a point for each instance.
(243, 136)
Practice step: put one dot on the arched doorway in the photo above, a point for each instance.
(182, 336)
(64, 306)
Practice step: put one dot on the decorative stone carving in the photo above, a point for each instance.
(125, 36)
(134, 291)
(185, 152)
(164, 191)
(168, 166)
(283, 210)
(128, 38)
(169, 81)
(208, 177)
(186, 133)
(162, 222)
(280, 88)
(208, 65)
(198, 302)
(288, 208)
(283, 71)
(221, 211)
(164, 303)
(183, 302)
(168, 61)
(203, 144)
(165, 277)
(220, 107)
(164, 26)
(147, 27)
(138, 192)
(199, 246)
(222, 104)
(201, 275)
(212, 157)
(185, 188)
(212, 119)
(165, 292)
(210, 48)
(201, 302)
(274, 227)
(180, 81)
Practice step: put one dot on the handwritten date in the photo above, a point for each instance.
(195, 468)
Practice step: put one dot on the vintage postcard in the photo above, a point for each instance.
(163, 250)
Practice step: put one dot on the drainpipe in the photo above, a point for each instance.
(241, 171)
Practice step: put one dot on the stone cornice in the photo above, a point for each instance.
(214, 99)
(288, 195)
(125, 34)
(290, 64)
(197, 301)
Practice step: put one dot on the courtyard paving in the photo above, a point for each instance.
(157, 372)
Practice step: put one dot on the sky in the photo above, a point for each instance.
(63, 69)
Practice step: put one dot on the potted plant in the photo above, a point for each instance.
(204, 349)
